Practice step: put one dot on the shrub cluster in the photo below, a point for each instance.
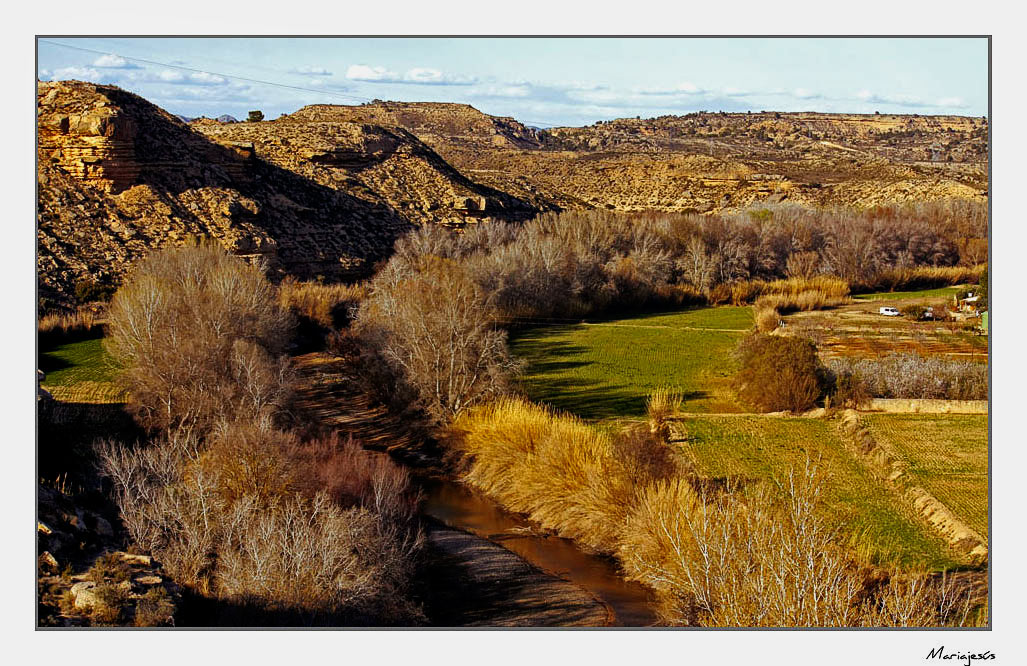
(199, 334)
(908, 376)
(431, 338)
(266, 530)
(778, 373)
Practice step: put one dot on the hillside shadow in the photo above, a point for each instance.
(175, 159)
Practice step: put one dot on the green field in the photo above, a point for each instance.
(941, 292)
(880, 525)
(80, 371)
(946, 454)
(606, 369)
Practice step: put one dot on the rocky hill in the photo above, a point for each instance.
(118, 176)
(703, 162)
(326, 190)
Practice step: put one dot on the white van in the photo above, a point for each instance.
(890, 312)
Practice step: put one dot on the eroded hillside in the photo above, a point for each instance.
(118, 176)
(704, 162)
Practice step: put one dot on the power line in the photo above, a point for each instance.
(358, 98)
(209, 73)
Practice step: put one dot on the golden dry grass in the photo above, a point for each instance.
(555, 468)
(319, 302)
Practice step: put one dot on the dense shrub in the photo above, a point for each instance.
(778, 373)
(91, 291)
(199, 334)
(435, 329)
(304, 556)
(910, 376)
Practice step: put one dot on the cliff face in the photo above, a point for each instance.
(118, 177)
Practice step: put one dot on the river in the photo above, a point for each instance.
(458, 506)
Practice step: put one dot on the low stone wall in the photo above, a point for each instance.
(926, 406)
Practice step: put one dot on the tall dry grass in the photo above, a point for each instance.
(67, 325)
(565, 474)
(328, 305)
(921, 277)
(825, 287)
(662, 404)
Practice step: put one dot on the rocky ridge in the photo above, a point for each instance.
(119, 176)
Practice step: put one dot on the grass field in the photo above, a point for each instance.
(881, 525)
(946, 454)
(80, 371)
(941, 292)
(606, 369)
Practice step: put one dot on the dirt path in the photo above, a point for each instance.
(469, 580)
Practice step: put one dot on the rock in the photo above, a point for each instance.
(103, 527)
(140, 560)
(48, 563)
(84, 595)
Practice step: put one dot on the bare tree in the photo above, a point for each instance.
(198, 334)
(438, 330)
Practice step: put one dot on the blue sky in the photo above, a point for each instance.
(539, 81)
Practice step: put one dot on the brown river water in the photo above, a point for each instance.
(458, 506)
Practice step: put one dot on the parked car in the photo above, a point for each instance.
(890, 312)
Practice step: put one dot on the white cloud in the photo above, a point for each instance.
(954, 102)
(205, 79)
(684, 88)
(416, 75)
(805, 93)
(424, 75)
(79, 73)
(519, 90)
(186, 78)
(369, 73)
(312, 71)
(898, 100)
(111, 61)
(171, 76)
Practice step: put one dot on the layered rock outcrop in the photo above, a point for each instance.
(119, 176)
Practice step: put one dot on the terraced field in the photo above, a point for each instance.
(606, 369)
(880, 525)
(946, 454)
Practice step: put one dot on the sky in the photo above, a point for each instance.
(539, 81)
